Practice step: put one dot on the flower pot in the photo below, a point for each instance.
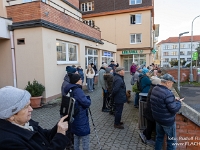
(36, 102)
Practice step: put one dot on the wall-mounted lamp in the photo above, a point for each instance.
(97, 44)
(46, 13)
(57, 43)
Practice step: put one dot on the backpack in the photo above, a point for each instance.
(139, 86)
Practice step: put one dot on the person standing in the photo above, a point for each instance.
(90, 78)
(133, 68)
(95, 70)
(113, 65)
(164, 107)
(80, 72)
(103, 85)
(119, 96)
(80, 126)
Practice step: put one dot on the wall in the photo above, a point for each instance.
(184, 72)
(6, 75)
(188, 133)
(117, 29)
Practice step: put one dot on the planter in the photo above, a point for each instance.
(36, 102)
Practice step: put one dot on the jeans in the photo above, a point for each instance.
(85, 142)
(170, 132)
(136, 101)
(118, 113)
(90, 84)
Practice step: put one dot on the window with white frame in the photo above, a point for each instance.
(173, 59)
(66, 52)
(89, 22)
(91, 56)
(182, 53)
(174, 46)
(107, 56)
(166, 60)
(134, 2)
(136, 38)
(174, 53)
(182, 45)
(88, 6)
(166, 47)
(188, 59)
(135, 19)
(188, 52)
(165, 54)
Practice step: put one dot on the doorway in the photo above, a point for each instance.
(127, 62)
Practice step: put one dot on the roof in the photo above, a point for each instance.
(196, 38)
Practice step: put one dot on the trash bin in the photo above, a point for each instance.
(142, 124)
(198, 75)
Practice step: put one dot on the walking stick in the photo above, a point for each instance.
(95, 130)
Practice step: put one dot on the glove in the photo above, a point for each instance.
(88, 97)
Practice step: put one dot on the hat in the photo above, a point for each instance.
(104, 65)
(12, 100)
(119, 69)
(74, 66)
(155, 80)
(108, 69)
(112, 61)
(145, 70)
(168, 77)
(74, 78)
(70, 69)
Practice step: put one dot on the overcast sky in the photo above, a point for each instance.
(175, 17)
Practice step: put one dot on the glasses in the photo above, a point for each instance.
(27, 106)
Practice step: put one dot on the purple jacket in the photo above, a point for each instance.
(133, 69)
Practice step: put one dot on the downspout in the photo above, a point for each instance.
(13, 58)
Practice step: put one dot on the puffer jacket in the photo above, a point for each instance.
(119, 89)
(145, 83)
(163, 105)
(64, 84)
(80, 125)
(109, 81)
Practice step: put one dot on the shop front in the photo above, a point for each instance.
(141, 57)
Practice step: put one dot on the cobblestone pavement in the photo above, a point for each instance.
(110, 138)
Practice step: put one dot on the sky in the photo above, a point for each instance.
(176, 16)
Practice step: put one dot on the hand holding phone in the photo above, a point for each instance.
(181, 99)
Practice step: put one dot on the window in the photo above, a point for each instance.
(89, 22)
(182, 45)
(89, 6)
(174, 53)
(165, 53)
(166, 47)
(20, 41)
(166, 60)
(133, 2)
(91, 56)
(135, 19)
(66, 52)
(173, 59)
(174, 46)
(182, 53)
(136, 38)
(107, 56)
(188, 59)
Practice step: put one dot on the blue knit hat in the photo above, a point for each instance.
(145, 70)
(70, 69)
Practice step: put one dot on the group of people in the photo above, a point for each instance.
(21, 132)
(161, 107)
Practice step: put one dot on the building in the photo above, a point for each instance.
(127, 23)
(169, 49)
(38, 39)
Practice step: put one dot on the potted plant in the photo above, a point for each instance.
(35, 89)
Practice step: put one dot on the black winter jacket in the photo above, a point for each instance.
(163, 105)
(109, 81)
(17, 138)
(119, 89)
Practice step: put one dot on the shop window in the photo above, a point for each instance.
(88, 6)
(136, 38)
(135, 19)
(134, 2)
(66, 52)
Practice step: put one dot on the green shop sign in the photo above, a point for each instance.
(132, 52)
(195, 56)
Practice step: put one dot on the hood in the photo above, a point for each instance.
(66, 78)
(71, 86)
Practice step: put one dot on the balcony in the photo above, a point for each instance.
(4, 33)
(38, 13)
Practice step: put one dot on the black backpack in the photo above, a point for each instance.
(139, 86)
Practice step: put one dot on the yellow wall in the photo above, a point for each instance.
(117, 29)
(6, 75)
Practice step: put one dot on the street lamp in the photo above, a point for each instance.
(179, 59)
(191, 74)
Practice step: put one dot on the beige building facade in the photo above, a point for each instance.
(40, 46)
(129, 26)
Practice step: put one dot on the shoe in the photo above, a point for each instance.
(150, 142)
(118, 126)
(121, 123)
(143, 137)
(106, 110)
(136, 106)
